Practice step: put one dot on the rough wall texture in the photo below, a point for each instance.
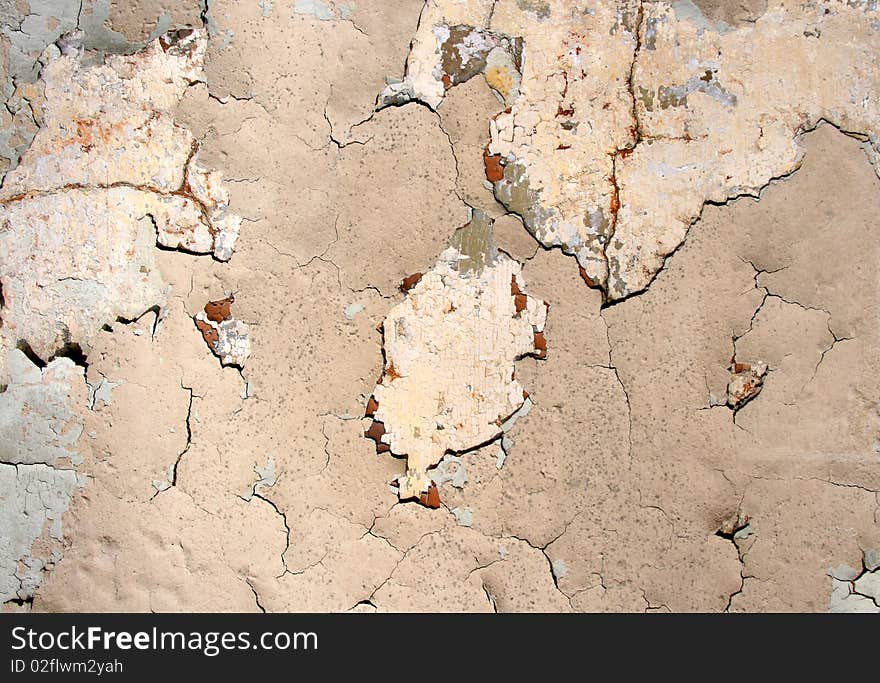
(458, 305)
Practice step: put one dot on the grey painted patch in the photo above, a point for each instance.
(475, 242)
(266, 478)
(869, 584)
(450, 470)
(463, 516)
(166, 483)
(685, 10)
(843, 573)
(316, 8)
(743, 533)
(103, 392)
(345, 10)
(266, 7)
(872, 559)
(515, 193)
(38, 427)
(540, 8)
(352, 310)
(37, 422)
(266, 474)
(32, 497)
(521, 412)
(677, 95)
(854, 591)
(559, 568)
(844, 600)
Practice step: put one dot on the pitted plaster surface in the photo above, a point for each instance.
(684, 417)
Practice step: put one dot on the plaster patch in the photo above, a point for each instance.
(450, 345)
(599, 113)
(108, 155)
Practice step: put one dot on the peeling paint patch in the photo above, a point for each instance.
(450, 346)
(612, 95)
(316, 8)
(746, 382)
(854, 590)
(454, 54)
(228, 338)
(40, 423)
(108, 153)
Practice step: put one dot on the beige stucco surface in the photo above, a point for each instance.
(454, 305)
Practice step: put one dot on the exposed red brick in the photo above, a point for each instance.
(209, 334)
(409, 282)
(586, 278)
(540, 345)
(375, 432)
(431, 499)
(220, 310)
(372, 406)
(494, 169)
(514, 286)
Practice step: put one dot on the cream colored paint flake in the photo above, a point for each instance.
(450, 347)
(631, 115)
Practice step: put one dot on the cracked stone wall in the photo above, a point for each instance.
(439, 305)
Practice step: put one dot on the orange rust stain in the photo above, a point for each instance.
(447, 81)
(525, 394)
(614, 205)
(209, 334)
(540, 345)
(625, 152)
(741, 367)
(89, 130)
(220, 310)
(494, 169)
(409, 282)
(391, 373)
(431, 499)
(586, 278)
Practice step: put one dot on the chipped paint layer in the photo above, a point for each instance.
(450, 346)
(228, 338)
(624, 102)
(109, 155)
(40, 422)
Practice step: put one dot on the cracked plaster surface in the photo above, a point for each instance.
(701, 426)
(624, 102)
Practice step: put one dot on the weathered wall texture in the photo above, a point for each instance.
(457, 305)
